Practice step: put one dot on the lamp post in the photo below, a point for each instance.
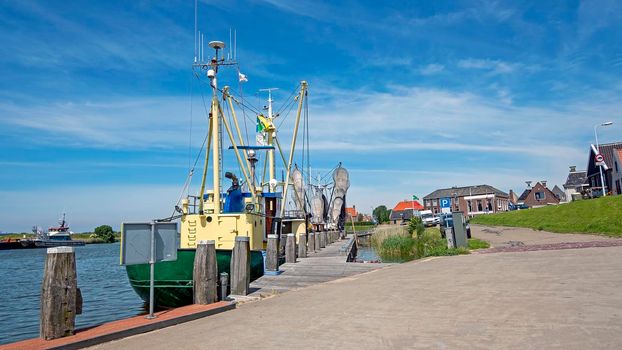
(600, 167)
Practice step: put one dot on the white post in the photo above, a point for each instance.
(152, 273)
(600, 167)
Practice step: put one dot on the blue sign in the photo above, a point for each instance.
(445, 202)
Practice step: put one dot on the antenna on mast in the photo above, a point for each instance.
(235, 44)
(269, 107)
(230, 53)
(196, 9)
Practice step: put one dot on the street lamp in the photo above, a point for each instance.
(600, 167)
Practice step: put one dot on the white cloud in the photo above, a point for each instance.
(432, 69)
(495, 66)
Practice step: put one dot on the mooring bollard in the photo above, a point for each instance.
(282, 242)
(272, 255)
(224, 285)
(331, 237)
(322, 239)
(205, 273)
(290, 248)
(311, 243)
(302, 246)
(59, 294)
(240, 266)
(317, 241)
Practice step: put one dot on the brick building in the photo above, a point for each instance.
(538, 196)
(471, 200)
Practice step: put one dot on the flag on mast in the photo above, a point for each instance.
(242, 77)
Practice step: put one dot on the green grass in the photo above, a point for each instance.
(395, 244)
(359, 226)
(475, 243)
(599, 216)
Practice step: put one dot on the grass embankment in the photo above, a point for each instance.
(599, 215)
(358, 226)
(396, 244)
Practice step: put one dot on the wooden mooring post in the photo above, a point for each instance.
(317, 241)
(205, 273)
(272, 254)
(241, 266)
(290, 248)
(322, 239)
(302, 246)
(311, 243)
(61, 299)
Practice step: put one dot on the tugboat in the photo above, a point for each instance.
(56, 236)
(253, 205)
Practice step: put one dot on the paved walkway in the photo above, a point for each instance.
(553, 299)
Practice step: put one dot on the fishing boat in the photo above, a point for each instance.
(254, 204)
(56, 236)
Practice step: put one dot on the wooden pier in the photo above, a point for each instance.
(325, 265)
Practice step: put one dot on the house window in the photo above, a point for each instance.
(540, 196)
(617, 166)
(469, 206)
(479, 205)
(489, 205)
(434, 203)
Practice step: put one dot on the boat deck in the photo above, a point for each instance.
(326, 265)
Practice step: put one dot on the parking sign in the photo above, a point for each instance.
(445, 205)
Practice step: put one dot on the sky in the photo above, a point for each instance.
(101, 115)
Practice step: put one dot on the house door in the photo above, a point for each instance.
(618, 191)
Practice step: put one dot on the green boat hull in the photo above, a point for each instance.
(173, 279)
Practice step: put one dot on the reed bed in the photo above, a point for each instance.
(397, 244)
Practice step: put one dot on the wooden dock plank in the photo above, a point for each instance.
(326, 265)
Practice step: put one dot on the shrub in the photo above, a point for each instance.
(105, 233)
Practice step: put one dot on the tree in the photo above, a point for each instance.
(381, 213)
(105, 232)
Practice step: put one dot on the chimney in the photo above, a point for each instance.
(573, 168)
(528, 184)
(543, 182)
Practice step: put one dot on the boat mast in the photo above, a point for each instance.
(302, 95)
(215, 115)
(271, 168)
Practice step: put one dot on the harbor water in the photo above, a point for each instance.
(106, 291)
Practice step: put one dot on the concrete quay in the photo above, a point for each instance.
(543, 299)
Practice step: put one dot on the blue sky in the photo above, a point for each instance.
(97, 97)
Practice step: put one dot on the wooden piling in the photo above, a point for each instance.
(272, 254)
(240, 266)
(311, 243)
(205, 273)
(59, 294)
(290, 248)
(331, 238)
(322, 239)
(317, 241)
(302, 246)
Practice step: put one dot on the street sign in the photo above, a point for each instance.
(445, 205)
(136, 242)
(600, 160)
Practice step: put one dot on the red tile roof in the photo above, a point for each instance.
(351, 211)
(405, 205)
